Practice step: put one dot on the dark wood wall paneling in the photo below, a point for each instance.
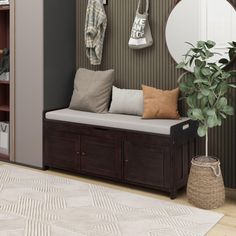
(152, 66)
(4, 29)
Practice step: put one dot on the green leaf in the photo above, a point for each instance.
(198, 63)
(212, 121)
(183, 87)
(190, 44)
(200, 96)
(222, 103)
(206, 71)
(211, 98)
(233, 43)
(189, 114)
(192, 101)
(200, 44)
(204, 101)
(203, 55)
(226, 75)
(181, 65)
(202, 130)
(223, 115)
(232, 85)
(223, 88)
(196, 50)
(232, 53)
(214, 66)
(224, 61)
(201, 81)
(191, 60)
(211, 112)
(228, 110)
(190, 81)
(216, 74)
(187, 54)
(213, 87)
(197, 72)
(197, 113)
(210, 44)
(209, 54)
(205, 92)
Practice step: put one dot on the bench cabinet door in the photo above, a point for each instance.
(146, 164)
(101, 155)
(62, 150)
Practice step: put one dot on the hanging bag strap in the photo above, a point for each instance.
(139, 6)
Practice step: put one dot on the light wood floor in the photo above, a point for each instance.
(226, 227)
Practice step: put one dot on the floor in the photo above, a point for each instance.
(226, 227)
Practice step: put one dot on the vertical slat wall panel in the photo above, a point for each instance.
(133, 67)
(152, 66)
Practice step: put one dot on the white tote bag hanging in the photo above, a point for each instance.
(141, 36)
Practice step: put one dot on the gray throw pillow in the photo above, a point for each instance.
(92, 90)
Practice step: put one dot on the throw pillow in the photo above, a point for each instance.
(127, 101)
(92, 90)
(162, 104)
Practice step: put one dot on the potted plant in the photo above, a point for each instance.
(206, 93)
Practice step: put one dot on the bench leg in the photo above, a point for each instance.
(45, 168)
(173, 194)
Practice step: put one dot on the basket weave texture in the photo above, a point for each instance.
(205, 187)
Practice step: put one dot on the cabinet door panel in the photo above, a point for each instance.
(61, 151)
(101, 156)
(145, 164)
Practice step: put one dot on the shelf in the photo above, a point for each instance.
(4, 7)
(5, 108)
(4, 157)
(5, 82)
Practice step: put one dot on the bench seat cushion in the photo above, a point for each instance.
(128, 122)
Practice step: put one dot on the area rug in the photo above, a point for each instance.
(33, 203)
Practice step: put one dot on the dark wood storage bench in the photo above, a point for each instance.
(93, 144)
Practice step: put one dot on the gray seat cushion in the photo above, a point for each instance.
(119, 121)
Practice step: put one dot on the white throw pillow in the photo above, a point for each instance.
(127, 101)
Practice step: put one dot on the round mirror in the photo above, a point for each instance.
(195, 20)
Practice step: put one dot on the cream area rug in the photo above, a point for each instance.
(33, 203)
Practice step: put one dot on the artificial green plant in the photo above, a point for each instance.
(206, 89)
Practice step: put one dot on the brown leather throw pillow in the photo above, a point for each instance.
(162, 104)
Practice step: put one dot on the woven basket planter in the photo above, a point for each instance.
(205, 184)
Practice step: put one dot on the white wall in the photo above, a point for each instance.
(28, 81)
